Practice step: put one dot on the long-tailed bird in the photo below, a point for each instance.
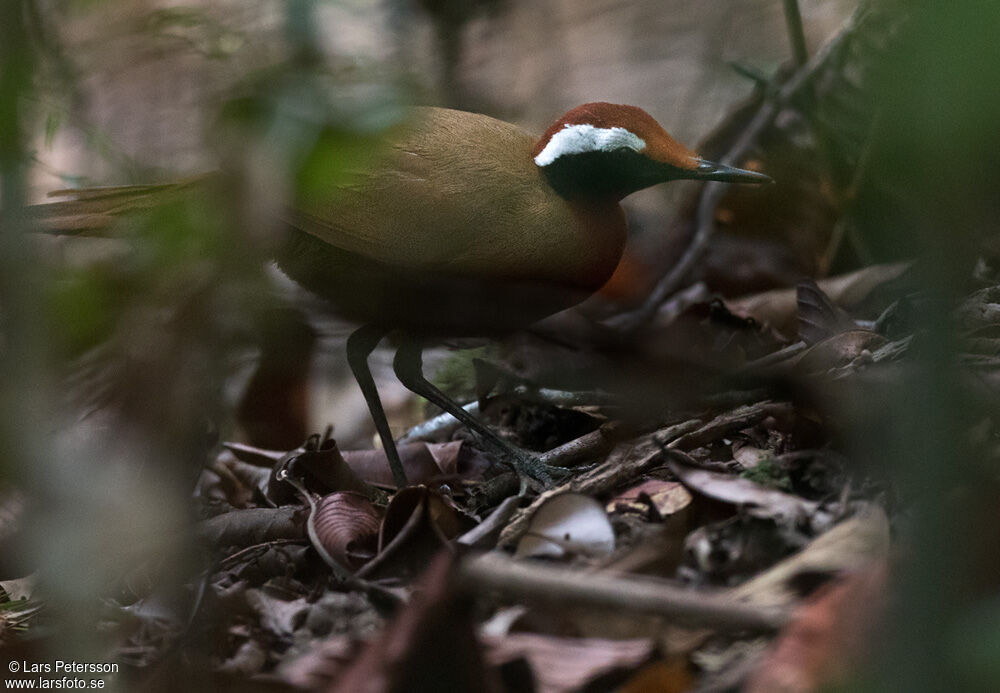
(469, 226)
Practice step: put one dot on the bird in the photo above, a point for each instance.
(472, 226)
(464, 225)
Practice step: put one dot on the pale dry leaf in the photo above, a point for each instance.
(570, 523)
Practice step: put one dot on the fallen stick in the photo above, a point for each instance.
(537, 582)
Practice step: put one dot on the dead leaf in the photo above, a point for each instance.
(418, 523)
(561, 665)
(666, 497)
(422, 462)
(819, 318)
(253, 526)
(778, 308)
(278, 616)
(569, 523)
(849, 546)
(827, 638)
(347, 525)
(835, 351)
(759, 501)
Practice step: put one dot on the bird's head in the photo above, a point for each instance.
(604, 149)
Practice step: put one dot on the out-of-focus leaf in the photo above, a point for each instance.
(568, 524)
(274, 410)
(12, 511)
(849, 546)
(665, 676)
(324, 662)
(430, 646)
(562, 665)
(828, 636)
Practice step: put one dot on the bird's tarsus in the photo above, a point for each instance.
(360, 345)
(408, 365)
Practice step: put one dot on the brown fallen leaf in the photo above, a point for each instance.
(347, 525)
(838, 350)
(253, 526)
(665, 497)
(318, 463)
(758, 500)
(827, 638)
(819, 317)
(778, 308)
(422, 462)
(418, 523)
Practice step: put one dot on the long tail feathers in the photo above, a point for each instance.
(92, 211)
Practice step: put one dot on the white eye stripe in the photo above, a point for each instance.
(579, 139)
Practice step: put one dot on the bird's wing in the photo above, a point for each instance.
(435, 200)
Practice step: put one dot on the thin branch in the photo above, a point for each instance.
(646, 596)
(713, 193)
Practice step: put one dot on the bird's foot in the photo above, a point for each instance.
(533, 473)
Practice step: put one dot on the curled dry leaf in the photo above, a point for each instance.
(819, 317)
(417, 524)
(321, 467)
(422, 462)
(253, 526)
(347, 525)
(569, 523)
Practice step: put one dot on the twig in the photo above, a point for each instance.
(625, 462)
(712, 193)
(647, 596)
(575, 451)
(481, 534)
(730, 422)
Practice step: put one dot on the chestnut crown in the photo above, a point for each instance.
(611, 150)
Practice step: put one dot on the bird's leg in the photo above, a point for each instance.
(360, 345)
(408, 365)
